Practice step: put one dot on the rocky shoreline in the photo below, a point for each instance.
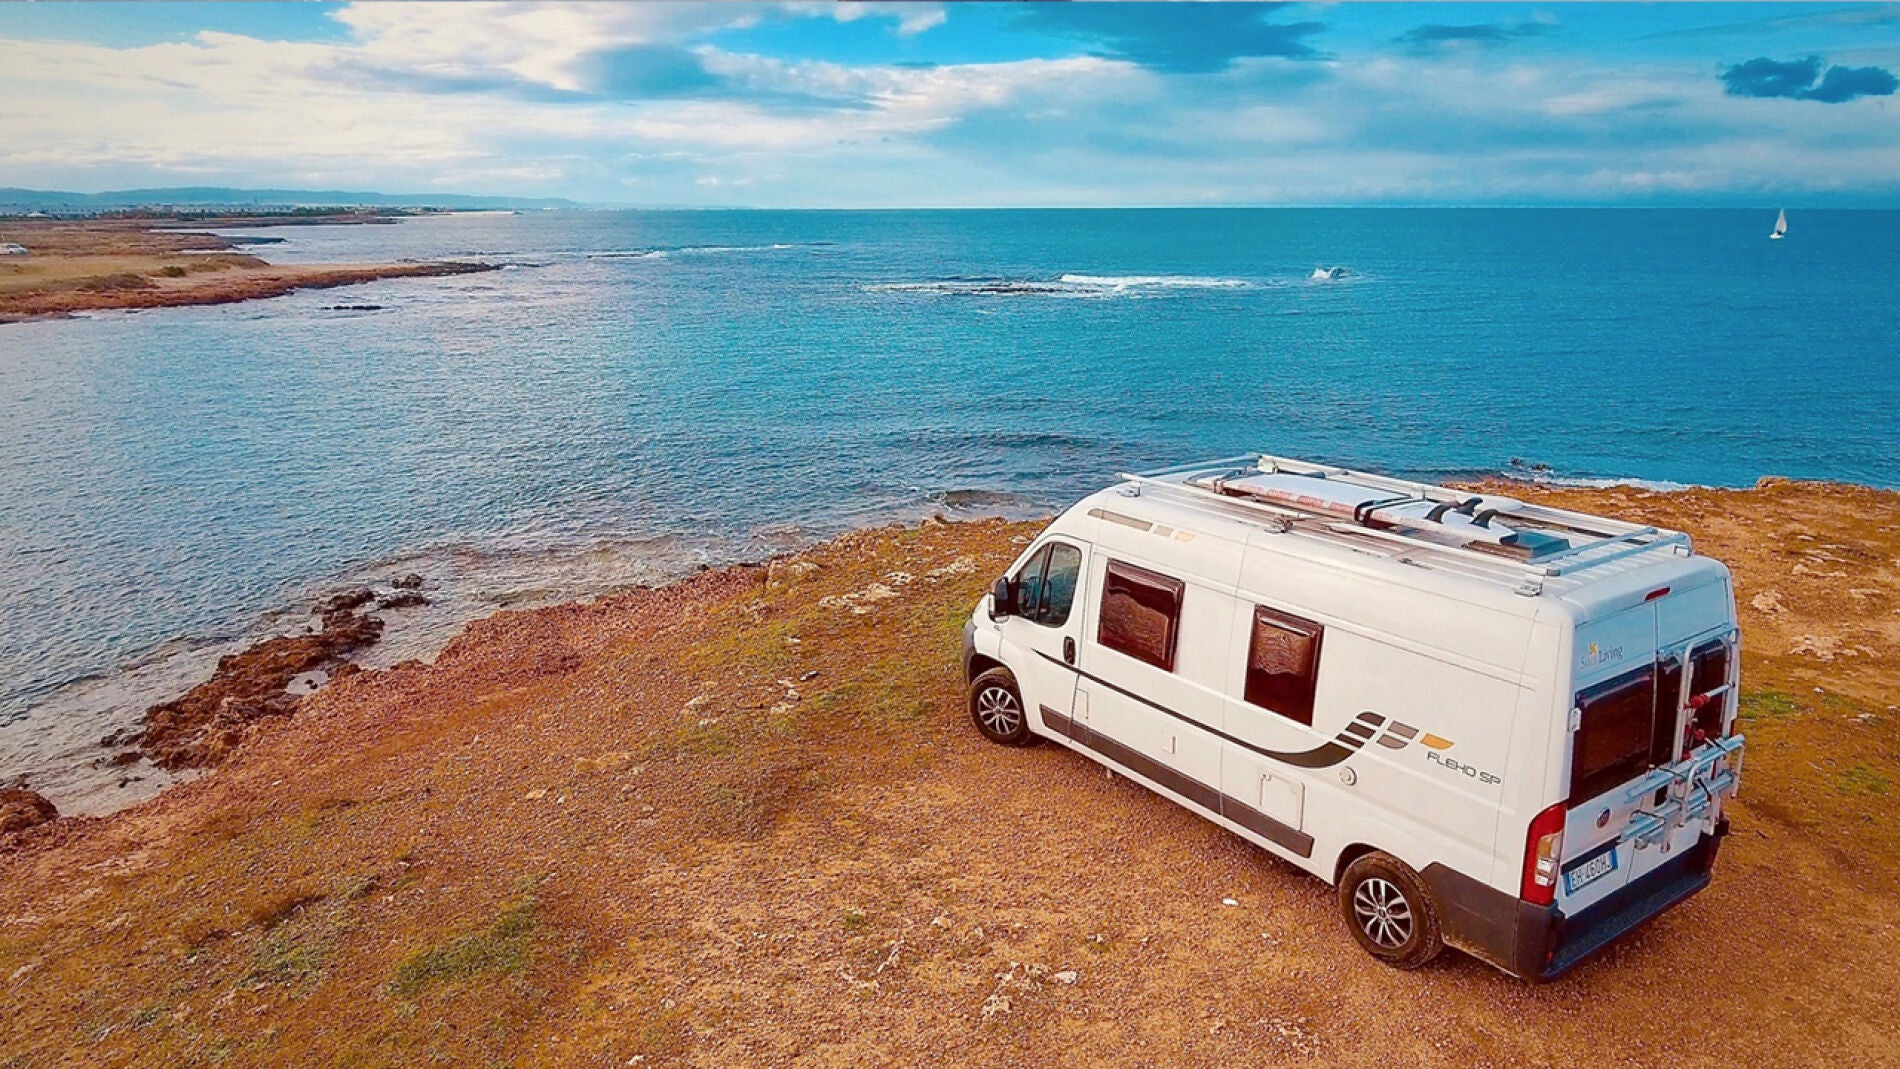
(74, 266)
(742, 819)
(270, 679)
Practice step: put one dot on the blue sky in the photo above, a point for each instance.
(872, 104)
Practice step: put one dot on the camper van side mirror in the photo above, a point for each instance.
(1002, 599)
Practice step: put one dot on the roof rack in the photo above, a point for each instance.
(1489, 535)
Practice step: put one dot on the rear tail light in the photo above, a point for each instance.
(1543, 852)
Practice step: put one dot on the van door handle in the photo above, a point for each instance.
(1068, 650)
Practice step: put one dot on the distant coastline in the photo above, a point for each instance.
(127, 263)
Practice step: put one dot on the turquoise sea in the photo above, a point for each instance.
(637, 393)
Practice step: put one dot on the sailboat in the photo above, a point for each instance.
(1781, 226)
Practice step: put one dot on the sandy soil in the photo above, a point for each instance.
(743, 821)
(90, 265)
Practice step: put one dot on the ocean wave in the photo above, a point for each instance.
(978, 499)
(975, 443)
(1543, 475)
(665, 252)
(1067, 285)
(1166, 282)
(1661, 486)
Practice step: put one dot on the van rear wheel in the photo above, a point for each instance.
(1389, 911)
(996, 706)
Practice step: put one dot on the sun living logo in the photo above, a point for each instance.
(1597, 655)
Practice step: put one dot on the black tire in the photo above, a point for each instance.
(996, 708)
(1389, 911)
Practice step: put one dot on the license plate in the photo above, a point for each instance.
(1589, 869)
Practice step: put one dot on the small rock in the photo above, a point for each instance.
(402, 600)
(536, 795)
(808, 676)
(960, 566)
(1066, 976)
(21, 809)
(412, 581)
(785, 573)
(348, 601)
(1229, 902)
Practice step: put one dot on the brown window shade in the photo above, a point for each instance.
(1141, 613)
(1283, 664)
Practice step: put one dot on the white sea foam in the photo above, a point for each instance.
(695, 250)
(1068, 285)
(1182, 282)
(1587, 482)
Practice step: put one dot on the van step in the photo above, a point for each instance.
(1606, 921)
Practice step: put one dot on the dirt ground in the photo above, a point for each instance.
(744, 821)
(95, 264)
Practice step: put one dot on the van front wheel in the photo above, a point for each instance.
(996, 706)
(1389, 911)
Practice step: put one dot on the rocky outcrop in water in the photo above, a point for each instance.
(201, 727)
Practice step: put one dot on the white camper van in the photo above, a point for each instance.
(1492, 724)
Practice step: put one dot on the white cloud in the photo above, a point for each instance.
(490, 97)
(538, 43)
(912, 18)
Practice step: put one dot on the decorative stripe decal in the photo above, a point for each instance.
(1125, 521)
(1324, 755)
(1180, 783)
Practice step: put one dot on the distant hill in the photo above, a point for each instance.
(16, 201)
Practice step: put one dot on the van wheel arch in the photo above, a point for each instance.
(979, 664)
(1349, 855)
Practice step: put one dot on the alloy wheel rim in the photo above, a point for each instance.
(997, 710)
(1383, 913)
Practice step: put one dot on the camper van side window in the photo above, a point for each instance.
(1283, 664)
(1141, 612)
